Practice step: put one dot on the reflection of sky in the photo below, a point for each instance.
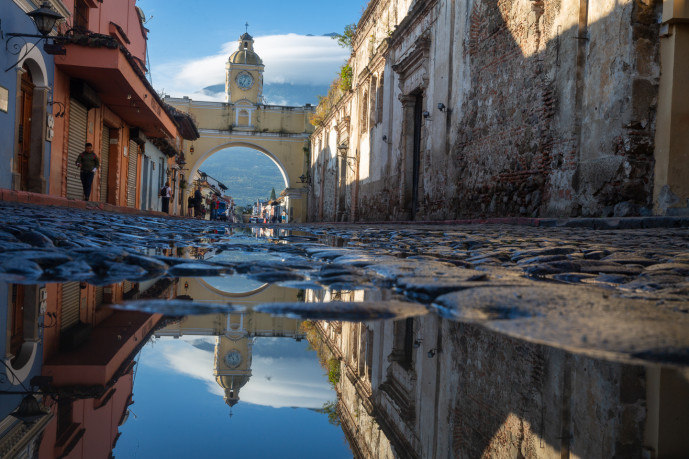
(236, 283)
(179, 409)
(239, 283)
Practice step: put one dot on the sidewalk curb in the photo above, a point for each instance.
(616, 223)
(38, 199)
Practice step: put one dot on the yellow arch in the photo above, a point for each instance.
(201, 158)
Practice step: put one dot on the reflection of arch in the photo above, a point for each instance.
(253, 146)
(231, 294)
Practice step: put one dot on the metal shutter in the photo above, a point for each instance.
(78, 121)
(99, 296)
(104, 158)
(131, 174)
(127, 286)
(145, 183)
(71, 294)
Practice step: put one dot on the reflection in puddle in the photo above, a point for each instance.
(338, 351)
(263, 370)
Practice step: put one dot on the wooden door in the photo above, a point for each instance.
(17, 328)
(24, 137)
(416, 158)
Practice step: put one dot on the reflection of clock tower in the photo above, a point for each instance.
(233, 360)
(244, 74)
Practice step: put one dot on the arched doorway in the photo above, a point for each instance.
(31, 123)
(24, 137)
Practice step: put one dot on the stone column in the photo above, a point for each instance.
(671, 183)
(407, 154)
(39, 113)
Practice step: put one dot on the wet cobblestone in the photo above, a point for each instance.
(618, 291)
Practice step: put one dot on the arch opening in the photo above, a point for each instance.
(248, 171)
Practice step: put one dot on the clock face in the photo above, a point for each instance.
(233, 359)
(245, 81)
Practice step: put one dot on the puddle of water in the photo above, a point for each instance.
(340, 345)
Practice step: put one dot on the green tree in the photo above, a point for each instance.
(272, 194)
(345, 39)
(346, 77)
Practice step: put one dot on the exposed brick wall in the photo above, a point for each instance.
(504, 148)
(519, 151)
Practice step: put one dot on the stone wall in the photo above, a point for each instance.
(549, 110)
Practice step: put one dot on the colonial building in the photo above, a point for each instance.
(94, 91)
(26, 111)
(245, 120)
(511, 108)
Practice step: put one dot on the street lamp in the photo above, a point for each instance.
(44, 18)
(29, 410)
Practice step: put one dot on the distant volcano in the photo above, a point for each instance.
(294, 95)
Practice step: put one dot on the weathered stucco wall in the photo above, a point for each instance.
(549, 110)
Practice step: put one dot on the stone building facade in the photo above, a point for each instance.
(506, 108)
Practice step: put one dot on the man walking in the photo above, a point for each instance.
(165, 194)
(88, 163)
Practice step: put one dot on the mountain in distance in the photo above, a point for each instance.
(291, 95)
(248, 174)
(331, 35)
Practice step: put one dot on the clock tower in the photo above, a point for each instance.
(244, 74)
(233, 351)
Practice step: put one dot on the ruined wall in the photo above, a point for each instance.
(549, 108)
(559, 116)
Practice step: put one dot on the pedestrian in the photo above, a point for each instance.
(190, 206)
(214, 211)
(165, 195)
(197, 203)
(88, 163)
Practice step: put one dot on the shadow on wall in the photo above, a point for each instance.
(558, 128)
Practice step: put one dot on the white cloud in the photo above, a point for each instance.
(282, 381)
(287, 382)
(287, 58)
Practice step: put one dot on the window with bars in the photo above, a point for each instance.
(81, 15)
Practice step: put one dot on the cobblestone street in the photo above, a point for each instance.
(621, 293)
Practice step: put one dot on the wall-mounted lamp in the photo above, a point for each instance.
(385, 138)
(441, 107)
(417, 343)
(186, 286)
(432, 353)
(44, 18)
(305, 178)
(426, 115)
(191, 149)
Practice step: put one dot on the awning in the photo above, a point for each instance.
(109, 71)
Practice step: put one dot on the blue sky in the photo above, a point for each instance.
(188, 47)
